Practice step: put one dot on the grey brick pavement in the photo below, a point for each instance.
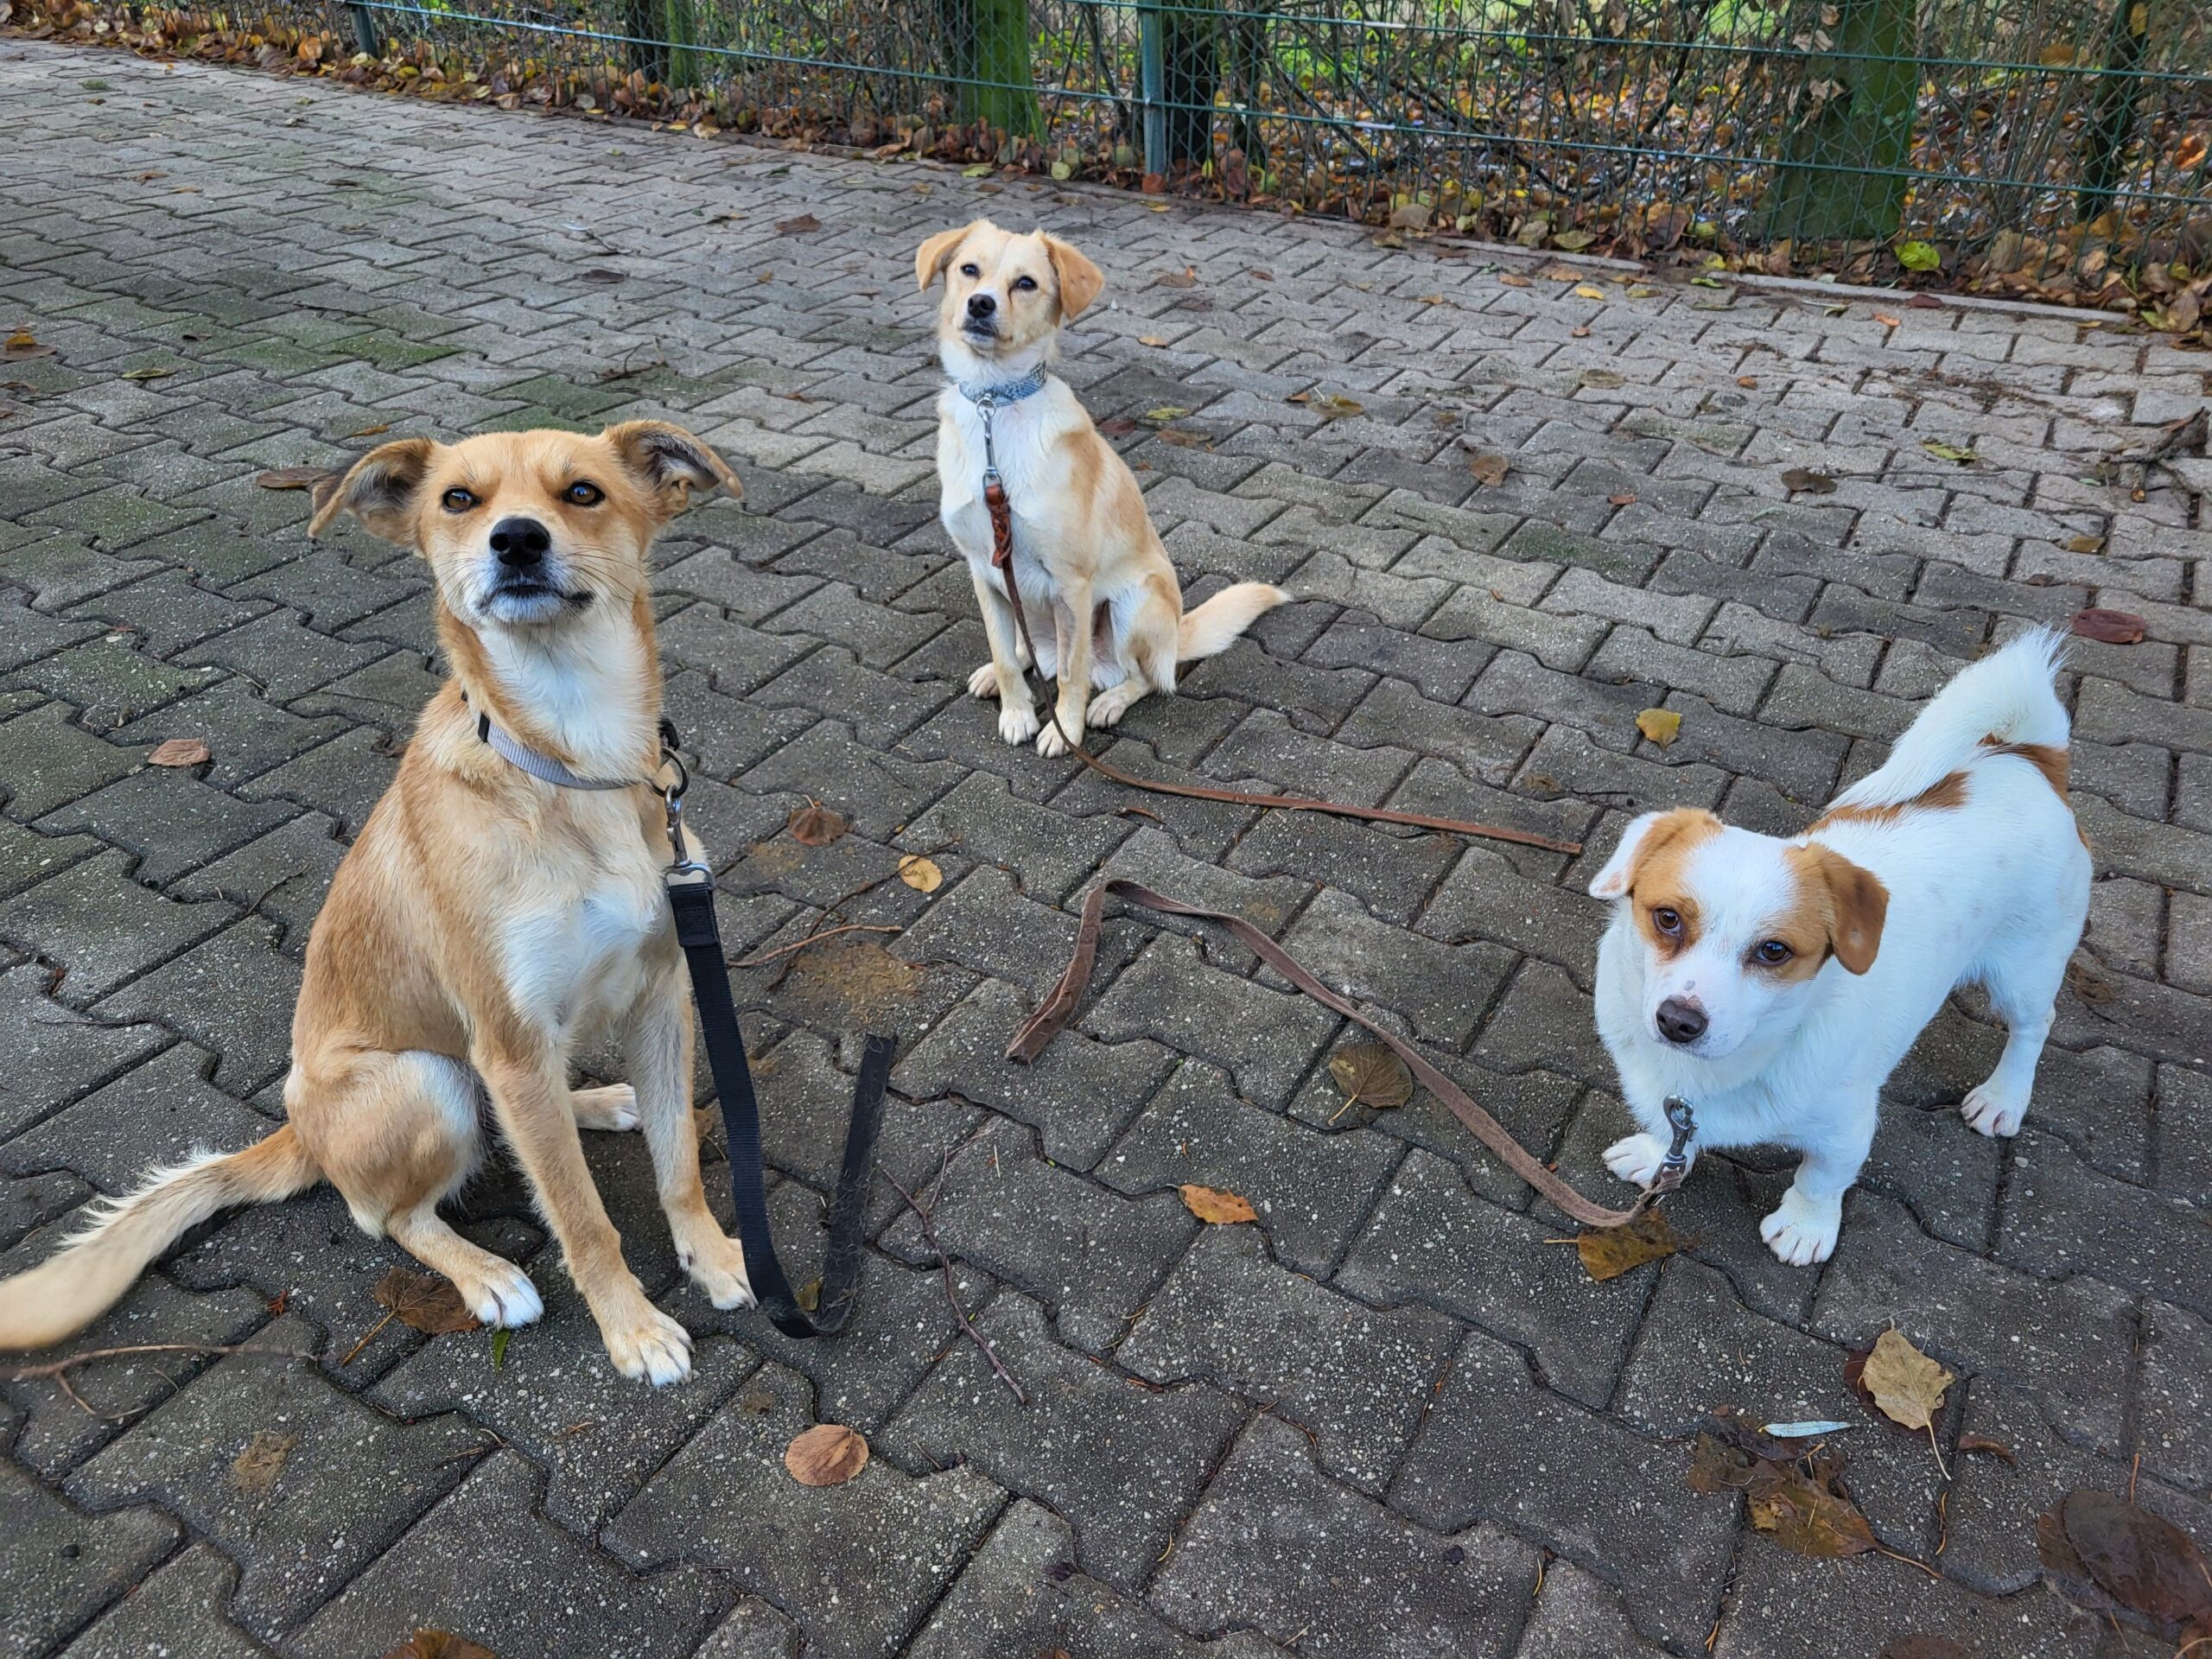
(1393, 1418)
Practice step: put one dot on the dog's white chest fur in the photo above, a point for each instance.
(577, 957)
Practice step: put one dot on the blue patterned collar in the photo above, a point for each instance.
(1007, 392)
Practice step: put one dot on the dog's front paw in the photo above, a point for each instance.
(1991, 1112)
(1802, 1231)
(613, 1109)
(502, 1295)
(1059, 737)
(984, 681)
(1017, 725)
(1636, 1159)
(647, 1344)
(716, 1264)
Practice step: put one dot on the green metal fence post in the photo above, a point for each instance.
(1152, 58)
(365, 38)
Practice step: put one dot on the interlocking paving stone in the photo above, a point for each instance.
(61, 1567)
(1455, 649)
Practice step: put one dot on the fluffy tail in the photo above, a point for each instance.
(1213, 627)
(88, 1275)
(2008, 696)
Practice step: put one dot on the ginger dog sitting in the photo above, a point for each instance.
(1101, 599)
(487, 919)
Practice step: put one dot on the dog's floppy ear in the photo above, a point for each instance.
(1857, 905)
(934, 255)
(1643, 837)
(1080, 281)
(378, 489)
(669, 462)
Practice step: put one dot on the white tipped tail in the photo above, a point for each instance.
(2008, 696)
(1213, 626)
(89, 1273)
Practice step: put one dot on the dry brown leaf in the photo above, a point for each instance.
(1609, 1252)
(1118, 426)
(179, 752)
(1805, 481)
(439, 1644)
(1793, 1493)
(1886, 321)
(254, 1471)
(828, 1454)
(1749, 381)
(22, 345)
(1150, 339)
(1661, 726)
(1512, 281)
(2141, 1560)
(376, 429)
(1331, 407)
(1603, 379)
(2085, 545)
(798, 226)
(1372, 1075)
(1620, 500)
(1905, 1382)
(1428, 299)
(1973, 1442)
(1187, 277)
(816, 825)
(149, 374)
(1211, 1204)
(1489, 470)
(920, 873)
(292, 478)
(2111, 628)
(425, 1301)
(1924, 1647)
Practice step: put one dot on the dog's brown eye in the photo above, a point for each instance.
(1025, 282)
(970, 270)
(1667, 921)
(1774, 953)
(583, 494)
(459, 500)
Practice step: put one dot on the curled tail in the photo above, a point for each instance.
(89, 1273)
(2006, 697)
(1213, 626)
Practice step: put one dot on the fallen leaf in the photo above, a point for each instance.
(254, 1471)
(1578, 333)
(21, 345)
(1886, 321)
(1620, 500)
(1748, 380)
(920, 873)
(2110, 627)
(799, 226)
(1187, 277)
(1488, 469)
(1949, 452)
(1603, 379)
(1428, 299)
(1575, 241)
(371, 431)
(1808, 1429)
(602, 277)
(1150, 339)
(816, 825)
(1919, 256)
(499, 1339)
(1211, 1204)
(149, 374)
(429, 1304)
(439, 1644)
(1804, 480)
(1372, 1075)
(292, 477)
(178, 751)
(1166, 413)
(1794, 1493)
(1972, 1442)
(1118, 426)
(828, 1454)
(1560, 274)
(1588, 292)
(1925, 303)
(1924, 1647)
(1906, 1385)
(1331, 407)
(1183, 440)
(1609, 1252)
(809, 1295)
(2142, 1560)
(2085, 545)
(1512, 281)
(1661, 726)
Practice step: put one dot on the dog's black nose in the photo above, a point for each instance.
(980, 305)
(1680, 1021)
(520, 543)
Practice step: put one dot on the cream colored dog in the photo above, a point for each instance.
(485, 922)
(1101, 598)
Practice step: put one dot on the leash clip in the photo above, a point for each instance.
(683, 869)
(1676, 1163)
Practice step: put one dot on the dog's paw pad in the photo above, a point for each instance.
(1017, 726)
(984, 681)
(652, 1348)
(1636, 1158)
(1989, 1113)
(1802, 1231)
(505, 1297)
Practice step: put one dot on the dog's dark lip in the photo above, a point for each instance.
(530, 590)
(979, 330)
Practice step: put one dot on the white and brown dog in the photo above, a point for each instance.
(486, 921)
(1099, 595)
(1775, 984)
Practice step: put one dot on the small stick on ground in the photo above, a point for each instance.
(959, 1314)
(766, 957)
(56, 1367)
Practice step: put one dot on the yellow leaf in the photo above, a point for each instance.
(1150, 339)
(1590, 293)
(1211, 1204)
(1607, 1253)
(1906, 1384)
(1428, 299)
(2086, 544)
(920, 873)
(1661, 726)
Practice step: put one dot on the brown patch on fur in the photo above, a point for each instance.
(1656, 876)
(1841, 906)
(2054, 763)
(1946, 793)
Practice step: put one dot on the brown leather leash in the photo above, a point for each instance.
(1001, 515)
(1059, 1008)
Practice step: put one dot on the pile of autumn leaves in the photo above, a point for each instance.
(2105, 1553)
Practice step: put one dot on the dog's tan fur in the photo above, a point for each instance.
(484, 923)
(1100, 596)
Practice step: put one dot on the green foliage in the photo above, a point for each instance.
(1919, 256)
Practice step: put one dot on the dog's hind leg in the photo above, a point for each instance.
(2023, 988)
(614, 1107)
(496, 1290)
(660, 1038)
(1147, 655)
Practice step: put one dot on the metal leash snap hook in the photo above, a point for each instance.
(1676, 1163)
(682, 867)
